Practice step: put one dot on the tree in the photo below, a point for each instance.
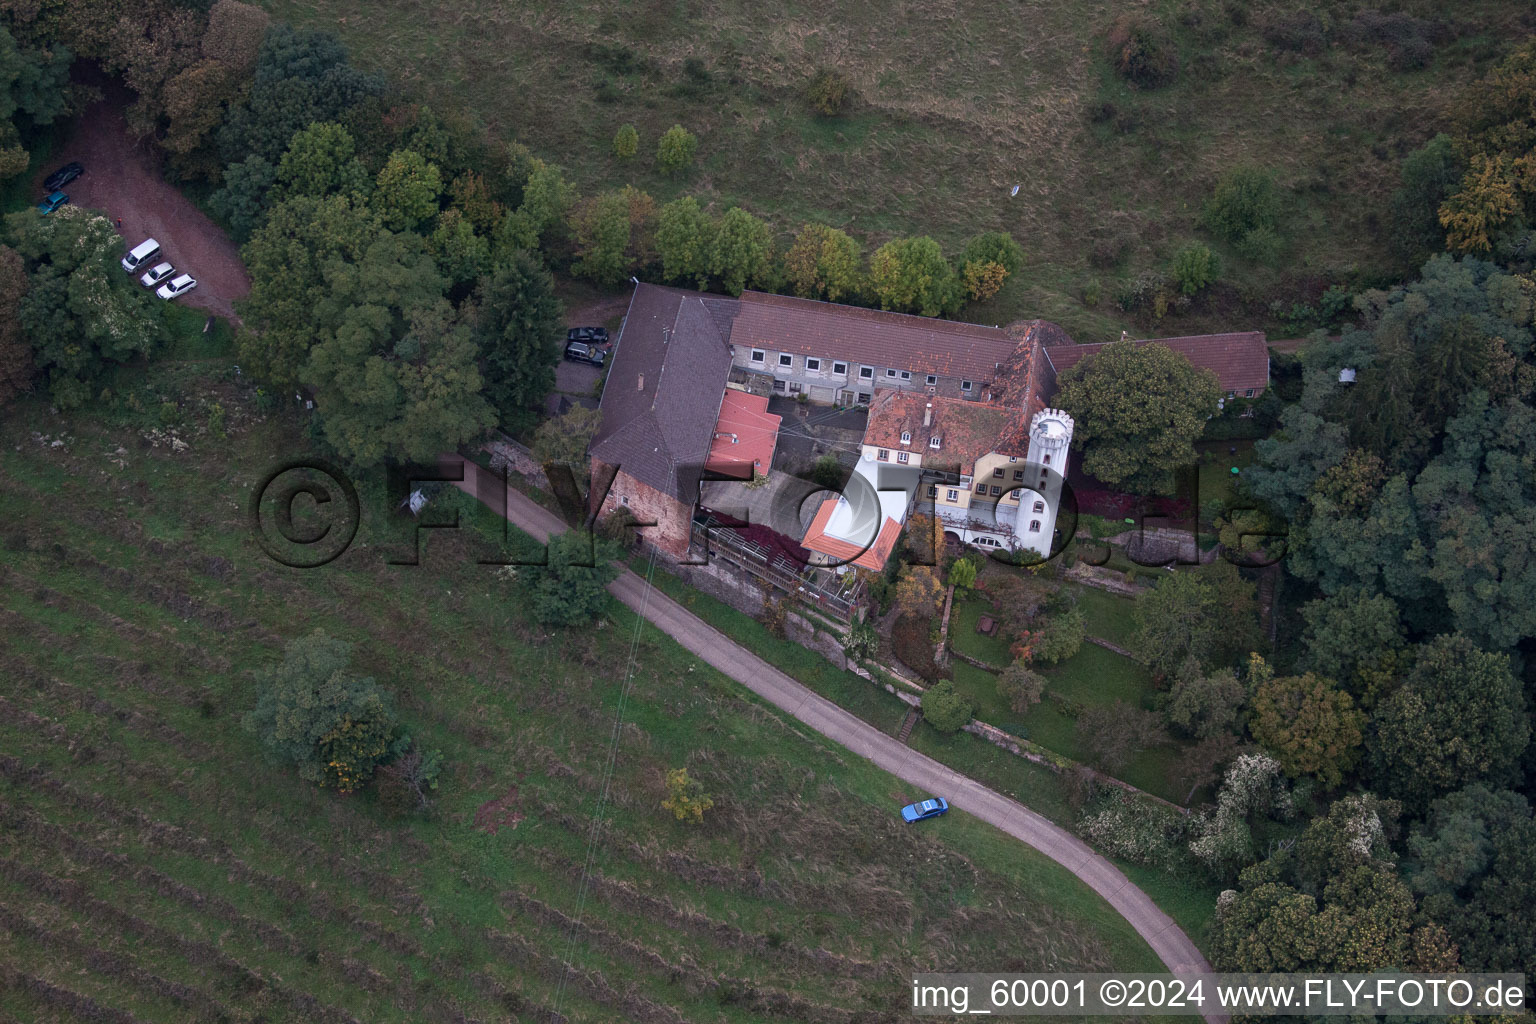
(1311, 727)
(741, 251)
(518, 327)
(460, 253)
(1428, 176)
(79, 312)
(626, 142)
(676, 149)
(1138, 411)
(1493, 918)
(1245, 201)
(335, 727)
(911, 275)
(919, 591)
(1454, 846)
(1252, 797)
(15, 353)
(944, 708)
(962, 576)
(1485, 201)
(686, 798)
(601, 227)
(547, 201)
(1206, 705)
(993, 247)
(34, 83)
(982, 280)
(321, 159)
(1176, 620)
(242, 200)
(564, 439)
(1290, 461)
(1353, 636)
(571, 589)
(685, 238)
(472, 196)
(1458, 718)
(1059, 636)
(1020, 686)
(407, 190)
(823, 263)
(1195, 268)
(1113, 734)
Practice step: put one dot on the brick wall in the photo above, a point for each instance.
(673, 519)
(516, 457)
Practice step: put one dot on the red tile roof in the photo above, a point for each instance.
(1240, 361)
(917, 343)
(872, 557)
(745, 435)
(966, 430)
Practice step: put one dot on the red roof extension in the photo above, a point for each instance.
(745, 436)
(873, 557)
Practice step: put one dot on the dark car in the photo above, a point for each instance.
(588, 335)
(61, 177)
(581, 352)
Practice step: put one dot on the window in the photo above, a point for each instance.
(758, 355)
(624, 500)
(965, 385)
(890, 373)
(1231, 395)
(1039, 506)
(981, 488)
(1018, 476)
(996, 490)
(903, 457)
(1047, 460)
(933, 442)
(867, 372)
(933, 490)
(885, 455)
(863, 397)
(812, 364)
(794, 386)
(839, 367)
(906, 437)
(906, 375)
(1248, 393)
(931, 379)
(785, 359)
(778, 385)
(1034, 526)
(952, 495)
(997, 474)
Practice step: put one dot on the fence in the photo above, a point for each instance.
(837, 595)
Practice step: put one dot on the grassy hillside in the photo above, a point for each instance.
(956, 103)
(151, 863)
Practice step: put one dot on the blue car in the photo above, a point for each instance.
(931, 808)
(52, 202)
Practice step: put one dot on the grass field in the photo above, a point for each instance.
(152, 864)
(957, 102)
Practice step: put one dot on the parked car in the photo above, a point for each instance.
(930, 808)
(588, 335)
(156, 274)
(141, 254)
(52, 201)
(178, 286)
(583, 353)
(63, 176)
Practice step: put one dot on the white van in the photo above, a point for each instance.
(141, 254)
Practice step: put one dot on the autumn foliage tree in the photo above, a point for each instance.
(823, 263)
(919, 592)
(686, 799)
(1312, 727)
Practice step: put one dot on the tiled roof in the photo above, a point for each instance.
(872, 557)
(664, 389)
(745, 435)
(1240, 361)
(916, 343)
(966, 430)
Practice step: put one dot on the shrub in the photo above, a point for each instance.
(1141, 51)
(983, 280)
(1020, 687)
(944, 708)
(404, 784)
(1261, 245)
(911, 638)
(828, 472)
(994, 247)
(572, 588)
(676, 149)
(626, 142)
(1138, 830)
(686, 798)
(919, 592)
(962, 576)
(1093, 291)
(1245, 200)
(861, 641)
(829, 93)
(1194, 268)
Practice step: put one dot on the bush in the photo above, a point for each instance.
(829, 93)
(686, 798)
(912, 640)
(1245, 200)
(676, 149)
(626, 142)
(1093, 291)
(994, 247)
(1141, 51)
(566, 592)
(828, 472)
(1261, 245)
(1138, 830)
(945, 709)
(1194, 268)
(861, 641)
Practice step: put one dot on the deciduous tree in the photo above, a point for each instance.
(572, 589)
(1311, 727)
(911, 275)
(823, 263)
(741, 251)
(676, 149)
(944, 708)
(407, 190)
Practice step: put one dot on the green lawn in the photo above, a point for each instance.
(1106, 615)
(963, 636)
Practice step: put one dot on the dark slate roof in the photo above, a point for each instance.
(664, 388)
(1240, 361)
(917, 343)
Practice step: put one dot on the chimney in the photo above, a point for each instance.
(640, 383)
(928, 415)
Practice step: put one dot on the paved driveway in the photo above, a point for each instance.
(1167, 940)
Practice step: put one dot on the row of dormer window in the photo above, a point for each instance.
(759, 357)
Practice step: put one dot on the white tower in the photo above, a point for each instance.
(1050, 438)
(1050, 435)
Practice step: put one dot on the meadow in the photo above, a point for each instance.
(154, 867)
(957, 101)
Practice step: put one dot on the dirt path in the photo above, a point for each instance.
(598, 312)
(123, 181)
(1160, 932)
